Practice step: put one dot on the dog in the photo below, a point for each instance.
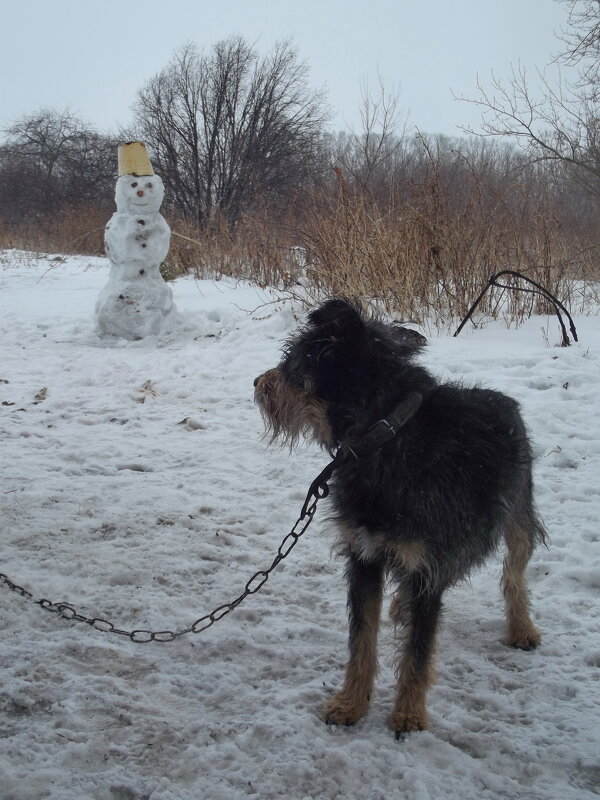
(423, 507)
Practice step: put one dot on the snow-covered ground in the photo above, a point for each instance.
(110, 501)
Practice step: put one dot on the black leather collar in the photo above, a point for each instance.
(384, 430)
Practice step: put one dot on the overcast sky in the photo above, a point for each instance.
(93, 56)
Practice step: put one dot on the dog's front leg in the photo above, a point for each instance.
(365, 590)
(420, 612)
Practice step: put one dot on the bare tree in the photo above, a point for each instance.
(581, 40)
(228, 129)
(52, 159)
(370, 156)
(559, 122)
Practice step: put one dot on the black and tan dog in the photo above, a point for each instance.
(424, 507)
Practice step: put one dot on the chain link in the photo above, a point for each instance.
(317, 491)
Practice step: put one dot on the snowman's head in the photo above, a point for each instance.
(139, 195)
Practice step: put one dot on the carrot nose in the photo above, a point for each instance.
(140, 193)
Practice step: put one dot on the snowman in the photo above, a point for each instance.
(136, 302)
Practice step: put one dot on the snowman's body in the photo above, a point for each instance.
(136, 301)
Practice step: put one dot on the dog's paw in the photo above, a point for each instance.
(343, 709)
(525, 638)
(402, 722)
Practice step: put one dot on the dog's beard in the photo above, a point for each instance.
(291, 413)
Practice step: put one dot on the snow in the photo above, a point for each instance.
(137, 487)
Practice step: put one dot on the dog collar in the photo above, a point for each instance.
(384, 430)
(379, 434)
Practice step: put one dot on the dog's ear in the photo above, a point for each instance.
(340, 318)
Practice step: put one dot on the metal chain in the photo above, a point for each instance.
(316, 492)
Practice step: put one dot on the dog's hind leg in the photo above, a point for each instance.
(522, 632)
(365, 591)
(419, 611)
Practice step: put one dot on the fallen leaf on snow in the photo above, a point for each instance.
(191, 425)
(41, 395)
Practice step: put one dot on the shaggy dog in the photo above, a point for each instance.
(423, 503)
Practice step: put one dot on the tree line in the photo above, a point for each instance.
(239, 137)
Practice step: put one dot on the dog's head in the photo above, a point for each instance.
(335, 372)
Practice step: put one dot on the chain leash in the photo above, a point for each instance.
(317, 491)
(382, 432)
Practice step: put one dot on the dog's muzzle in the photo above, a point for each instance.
(264, 388)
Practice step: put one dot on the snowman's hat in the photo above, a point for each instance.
(133, 159)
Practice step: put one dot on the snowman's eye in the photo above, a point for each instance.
(148, 186)
(133, 185)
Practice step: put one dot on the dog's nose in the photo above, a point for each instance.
(256, 380)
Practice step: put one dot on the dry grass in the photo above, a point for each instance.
(424, 257)
(259, 251)
(75, 230)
